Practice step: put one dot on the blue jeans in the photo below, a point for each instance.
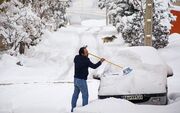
(80, 85)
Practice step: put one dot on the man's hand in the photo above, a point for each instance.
(102, 60)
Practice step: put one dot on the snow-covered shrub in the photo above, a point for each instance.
(162, 18)
(18, 23)
(25, 20)
(128, 17)
(52, 12)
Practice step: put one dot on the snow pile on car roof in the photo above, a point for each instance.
(148, 75)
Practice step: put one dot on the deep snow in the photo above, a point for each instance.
(31, 88)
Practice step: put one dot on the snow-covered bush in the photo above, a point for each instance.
(18, 23)
(162, 18)
(25, 20)
(128, 17)
(52, 12)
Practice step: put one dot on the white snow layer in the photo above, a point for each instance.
(31, 88)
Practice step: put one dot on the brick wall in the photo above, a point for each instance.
(176, 24)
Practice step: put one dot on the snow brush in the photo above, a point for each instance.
(125, 71)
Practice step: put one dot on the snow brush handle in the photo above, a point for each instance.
(105, 60)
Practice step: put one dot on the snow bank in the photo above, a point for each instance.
(172, 57)
(112, 105)
(45, 62)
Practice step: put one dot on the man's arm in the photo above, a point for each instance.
(94, 66)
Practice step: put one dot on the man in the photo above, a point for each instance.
(82, 63)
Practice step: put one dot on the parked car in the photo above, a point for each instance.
(146, 84)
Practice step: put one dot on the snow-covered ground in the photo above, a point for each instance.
(44, 84)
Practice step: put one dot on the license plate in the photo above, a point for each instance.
(133, 97)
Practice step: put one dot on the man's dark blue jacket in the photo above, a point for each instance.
(81, 66)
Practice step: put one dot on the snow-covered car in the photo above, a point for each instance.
(146, 83)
